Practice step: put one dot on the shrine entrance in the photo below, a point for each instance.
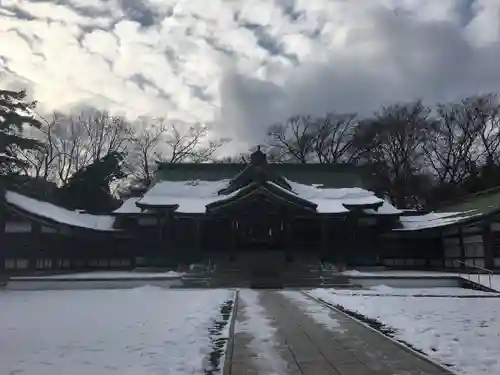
(263, 233)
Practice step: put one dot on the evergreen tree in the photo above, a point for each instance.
(15, 114)
(89, 188)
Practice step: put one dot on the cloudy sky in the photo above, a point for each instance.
(243, 64)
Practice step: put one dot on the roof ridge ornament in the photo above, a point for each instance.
(258, 158)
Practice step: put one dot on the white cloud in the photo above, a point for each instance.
(245, 64)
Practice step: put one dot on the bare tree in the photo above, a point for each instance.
(450, 151)
(155, 140)
(192, 144)
(333, 142)
(144, 143)
(483, 112)
(393, 143)
(295, 139)
(74, 142)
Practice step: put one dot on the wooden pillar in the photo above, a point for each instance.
(160, 230)
(288, 234)
(489, 261)
(442, 247)
(234, 239)
(462, 246)
(324, 238)
(34, 251)
(198, 233)
(3, 221)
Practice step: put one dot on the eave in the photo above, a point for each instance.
(54, 223)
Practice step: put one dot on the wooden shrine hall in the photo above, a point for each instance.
(230, 212)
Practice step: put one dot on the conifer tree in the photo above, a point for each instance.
(15, 115)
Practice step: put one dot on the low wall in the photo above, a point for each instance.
(408, 281)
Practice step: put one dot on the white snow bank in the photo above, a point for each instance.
(61, 215)
(140, 331)
(463, 332)
(113, 275)
(390, 291)
(407, 273)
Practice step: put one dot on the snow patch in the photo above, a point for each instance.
(319, 313)
(146, 330)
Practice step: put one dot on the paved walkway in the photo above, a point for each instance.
(298, 345)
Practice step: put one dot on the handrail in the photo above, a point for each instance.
(474, 266)
(489, 272)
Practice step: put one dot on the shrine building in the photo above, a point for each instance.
(286, 213)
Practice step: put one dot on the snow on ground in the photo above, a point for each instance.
(398, 273)
(463, 332)
(109, 275)
(387, 290)
(124, 332)
(314, 310)
(258, 325)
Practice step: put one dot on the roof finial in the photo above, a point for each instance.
(258, 158)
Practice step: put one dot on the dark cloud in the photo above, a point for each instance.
(138, 11)
(399, 58)
(249, 63)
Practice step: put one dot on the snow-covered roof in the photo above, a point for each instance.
(128, 207)
(193, 196)
(58, 214)
(435, 220)
(385, 209)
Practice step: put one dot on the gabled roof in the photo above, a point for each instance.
(195, 196)
(259, 180)
(327, 175)
(52, 214)
(266, 189)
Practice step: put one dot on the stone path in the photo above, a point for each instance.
(300, 346)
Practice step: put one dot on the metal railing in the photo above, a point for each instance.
(469, 274)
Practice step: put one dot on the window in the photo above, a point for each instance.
(46, 229)
(19, 264)
(17, 226)
(44, 263)
(147, 221)
(63, 263)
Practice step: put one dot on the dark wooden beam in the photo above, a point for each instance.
(489, 259)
